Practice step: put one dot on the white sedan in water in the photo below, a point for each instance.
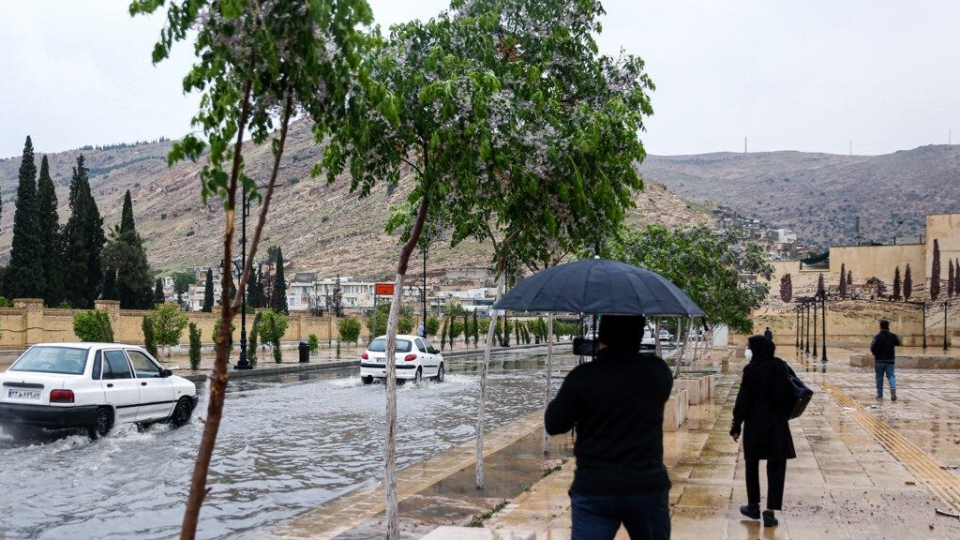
(415, 359)
(91, 386)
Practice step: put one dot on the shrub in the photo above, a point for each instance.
(252, 341)
(194, 347)
(5, 302)
(168, 324)
(349, 330)
(149, 342)
(93, 326)
(272, 327)
(216, 329)
(313, 342)
(433, 326)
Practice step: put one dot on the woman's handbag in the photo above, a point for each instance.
(800, 393)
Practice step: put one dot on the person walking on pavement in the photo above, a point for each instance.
(616, 403)
(883, 348)
(762, 411)
(768, 334)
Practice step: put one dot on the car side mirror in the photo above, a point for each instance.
(164, 373)
(433, 350)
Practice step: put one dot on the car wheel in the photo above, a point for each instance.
(102, 423)
(366, 380)
(418, 376)
(439, 377)
(181, 413)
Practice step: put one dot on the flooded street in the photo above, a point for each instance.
(287, 444)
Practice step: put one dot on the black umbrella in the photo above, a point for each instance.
(600, 286)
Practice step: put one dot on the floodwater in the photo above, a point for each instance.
(286, 446)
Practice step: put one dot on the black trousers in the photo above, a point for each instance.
(776, 476)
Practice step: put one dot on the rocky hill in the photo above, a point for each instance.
(820, 195)
(321, 227)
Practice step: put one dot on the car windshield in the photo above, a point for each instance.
(380, 345)
(52, 360)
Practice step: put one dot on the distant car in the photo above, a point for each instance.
(92, 386)
(415, 359)
(665, 335)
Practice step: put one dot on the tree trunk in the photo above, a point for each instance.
(546, 397)
(483, 380)
(390, 447)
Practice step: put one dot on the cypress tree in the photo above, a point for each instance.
(51, 245)
(935, 272)
(907, 284)
(821, 290)
(950, 279)
(126, 271)
(208, 293)
(24, 277)
(158, 296)
(280, 287)
(84, 240)
(843, 281)
(896, 284)
(786, 288)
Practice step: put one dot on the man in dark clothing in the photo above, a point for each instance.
(883, 348)
(768, 334)
(616, 403)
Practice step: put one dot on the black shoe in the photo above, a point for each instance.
(769, 520)
(752, 511)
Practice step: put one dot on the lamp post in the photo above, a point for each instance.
(814, 326)
(796, 310)
(823, 357)
(946, 304)
(806, 305)
(242, 362)
(803, 321)
(424, 292)
(924, 325)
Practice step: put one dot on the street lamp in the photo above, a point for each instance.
(924, 325)
(806, 304)
(823, 357)
(796, 309)
(242, 362)
(946, 304)
(814, 302)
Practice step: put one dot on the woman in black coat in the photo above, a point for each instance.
(763, 405)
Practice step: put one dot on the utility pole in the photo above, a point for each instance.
(946, 304)
(744, 145)
(815, 327)
(823, 357)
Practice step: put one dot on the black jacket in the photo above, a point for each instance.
(883, 346)
(616, 405)
(763, 405)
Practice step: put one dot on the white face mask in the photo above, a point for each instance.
(748, 354)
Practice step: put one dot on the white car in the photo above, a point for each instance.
(665, 335)
(415, 359)
(91, 386)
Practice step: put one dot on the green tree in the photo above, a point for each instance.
(405, 324)
(149, 341)
(168, 323)
(313, 342)
(83, 242)
(48, 221)
(25, 275)
(896, 283)
(279, 303)
(349, 330)
(433, 326)
(476, 329)
(704, 264)
(456, 328)
(443, 333)
(182, 282)
(272, 327)
(252, 340)
(195, 346)
(93, 326)
(208, 292)
(125, 263)
(934, 271)
(907, 284)
(158, 295)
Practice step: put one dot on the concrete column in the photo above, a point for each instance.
(32, 319)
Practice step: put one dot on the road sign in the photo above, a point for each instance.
(385, 289)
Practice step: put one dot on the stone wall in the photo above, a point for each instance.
(29, 322)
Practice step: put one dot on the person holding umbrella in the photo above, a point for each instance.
(616, 403)
(763, 404)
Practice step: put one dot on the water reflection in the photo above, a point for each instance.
(287, 444)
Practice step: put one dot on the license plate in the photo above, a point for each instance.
(23, 394)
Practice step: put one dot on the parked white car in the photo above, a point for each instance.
(91, 386)
(415, 359)
(665, 335)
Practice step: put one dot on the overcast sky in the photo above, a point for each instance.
(809, 75)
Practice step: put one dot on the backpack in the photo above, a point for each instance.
(800, 394)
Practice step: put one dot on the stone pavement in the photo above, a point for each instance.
(863, 470)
